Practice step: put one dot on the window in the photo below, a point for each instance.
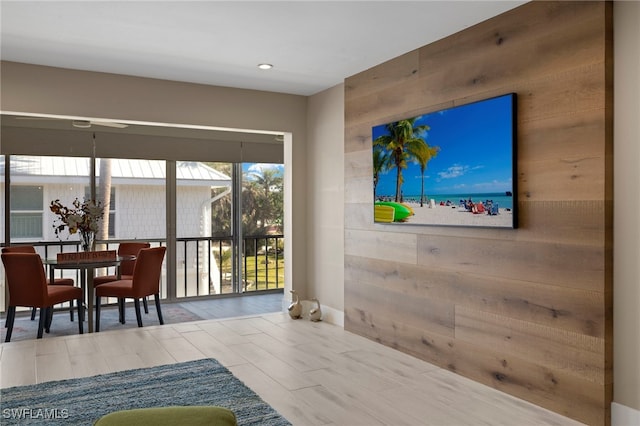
(26, 211)
(225, 218)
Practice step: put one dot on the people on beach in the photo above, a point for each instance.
(478, 208)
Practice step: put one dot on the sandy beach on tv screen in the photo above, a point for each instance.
(452, 215)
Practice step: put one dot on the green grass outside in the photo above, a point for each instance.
(266, 277)
(266, 272)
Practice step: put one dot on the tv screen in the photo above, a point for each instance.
(453, 167)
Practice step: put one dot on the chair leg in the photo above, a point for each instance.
(146, 305)
(121, 310)
(157, 299)
(136, 304)
(97, 313)
(48, 320)
(11, 316)
(33, 313)
(80, 303)
(71, 311)
(44, 313)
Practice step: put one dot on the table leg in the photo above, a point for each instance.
(120, 301)
(83, 286)
(90, 292)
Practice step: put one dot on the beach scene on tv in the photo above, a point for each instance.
(449, 167)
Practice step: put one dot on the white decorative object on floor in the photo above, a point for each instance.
(295, 308)
(315, 314)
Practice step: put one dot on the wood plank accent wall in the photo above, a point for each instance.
(527, 311)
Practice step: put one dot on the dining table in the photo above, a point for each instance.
(87, 269)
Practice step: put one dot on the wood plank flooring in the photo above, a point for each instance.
(312, 373)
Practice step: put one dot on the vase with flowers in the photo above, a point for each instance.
(81, 218)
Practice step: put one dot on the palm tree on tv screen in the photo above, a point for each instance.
(381, 163)
(403, 142)
(423, 156)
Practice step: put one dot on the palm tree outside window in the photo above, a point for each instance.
(112, 209)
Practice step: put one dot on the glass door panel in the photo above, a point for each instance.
(262, 219)
(37, 182)
(132, 193)
(204, 240)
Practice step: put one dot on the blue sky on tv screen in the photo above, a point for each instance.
(475, 155)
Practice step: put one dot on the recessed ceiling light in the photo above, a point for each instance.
(265, 66)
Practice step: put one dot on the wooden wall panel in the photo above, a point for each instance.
(572, 310)
(388, 245)
(573, 353)
(527, 311)
(575, 397)
(580, 267)
(572, 222)
(400, 308)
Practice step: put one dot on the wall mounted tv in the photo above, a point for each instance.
(452, 167)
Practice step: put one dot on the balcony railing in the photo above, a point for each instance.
(204, 265)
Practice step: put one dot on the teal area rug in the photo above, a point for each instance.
(83, 401)
(25, 329)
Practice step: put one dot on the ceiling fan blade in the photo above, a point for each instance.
(83, 124)
(36, 118)
(109, 124)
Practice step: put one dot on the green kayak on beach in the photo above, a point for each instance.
(402, 212)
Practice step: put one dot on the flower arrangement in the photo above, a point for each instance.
(83, 217)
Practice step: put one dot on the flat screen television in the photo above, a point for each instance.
(454, 167)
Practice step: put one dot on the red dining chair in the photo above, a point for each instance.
(126, 271)
(145, 282)
(126, 266)
(28, 287)
(56, 281)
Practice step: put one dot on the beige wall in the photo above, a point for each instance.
(325, 200)
(626, 273)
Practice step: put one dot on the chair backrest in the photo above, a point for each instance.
(25, 278)
(130, 249)
(19, 249)
(147, 271)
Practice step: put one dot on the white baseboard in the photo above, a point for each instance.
(621, 415)
(333, 316)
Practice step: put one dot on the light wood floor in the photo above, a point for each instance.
(312, 373)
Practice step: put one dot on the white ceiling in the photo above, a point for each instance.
(313, 45)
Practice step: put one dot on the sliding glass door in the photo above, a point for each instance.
(228, 216)
(229, 228)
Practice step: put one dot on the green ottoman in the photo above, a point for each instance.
(170, 416)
